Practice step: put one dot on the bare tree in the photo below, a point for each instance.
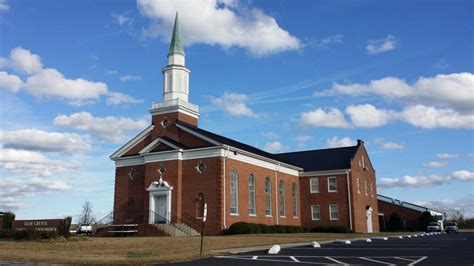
(87, 216)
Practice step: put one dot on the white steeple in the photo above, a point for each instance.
(175, 81)
(175, 74)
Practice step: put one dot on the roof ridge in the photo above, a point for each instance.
(347, 147)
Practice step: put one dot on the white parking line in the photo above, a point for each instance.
(362, 248)
(255, 257)
(294, 259)
(416, 261)
(336, 261)
(372, 260)
(404, 259)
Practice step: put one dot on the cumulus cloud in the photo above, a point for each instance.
(216, 22)
(381, 45)
(10, 82)
(24, 61)
(130, 78)
(4, 6)
(47, 82)
(42, 141)
(447, 155)
(270, 135)
(387, 145)
(431, 117)
(15, 189)
(51, 83)
(275, 147)
(23, 162)
(425, 181)
(324, 118)
(450, 206)
(367, 115)
(434, 164)
(455, 91)
(302, 138)
(463, 175)
(234, 104)
(336, 142)
(108, 128)
(114, 98)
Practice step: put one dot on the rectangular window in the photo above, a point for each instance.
(372, 189)
(282, 199)
(294, 197)
(365, 187)
(332, 184)
(315, 213)
(314, 185)
(333, 212)
(268, 197)
(358, 185)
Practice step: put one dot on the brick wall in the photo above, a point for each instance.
(366, 173)
(323, 198)
(410, 218)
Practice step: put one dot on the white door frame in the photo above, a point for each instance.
(368, 214)
(160, 188)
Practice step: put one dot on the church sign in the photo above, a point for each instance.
(45, 225)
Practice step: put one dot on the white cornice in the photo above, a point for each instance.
(125, 148)
(326, 172)
(155, 143)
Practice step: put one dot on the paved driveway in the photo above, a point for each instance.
(444, 249)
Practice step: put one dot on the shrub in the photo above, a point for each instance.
(5, 234)
(8, 219)
(34, 235)
(65, 227)
(250, 228)
(395, 222)
(425, 219)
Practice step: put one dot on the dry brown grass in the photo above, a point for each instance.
(141, 250)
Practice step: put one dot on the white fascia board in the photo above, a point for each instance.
(325, 172)
(129, 161)
(155, 143)
(263, 158)
(196, 134)
(174, 109)
(125, 148)
(163, 156)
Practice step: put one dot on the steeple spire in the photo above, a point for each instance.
(176, 47)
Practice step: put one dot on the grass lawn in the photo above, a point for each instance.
(141, 250)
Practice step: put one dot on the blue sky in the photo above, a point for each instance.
(77, 79)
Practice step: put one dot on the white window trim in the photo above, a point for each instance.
(237, 193)
(284, 200)
(254, 197)
(311, 184)
(358, 184)
(331, 177)
(270, 194)
(312, 216)
(330, 215)
(294, 200)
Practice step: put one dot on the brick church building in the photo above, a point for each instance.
(166, 173)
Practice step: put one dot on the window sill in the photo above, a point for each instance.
(234, 214)
(253, 215)
(295, 217)
(268, 215)
(315, 219)
(332, 191)
(334, 219)
(314, 192)
(283, 217)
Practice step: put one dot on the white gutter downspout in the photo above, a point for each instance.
(277, 211)
(349, 199)
(223, 210)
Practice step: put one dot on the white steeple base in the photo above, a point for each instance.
(176, 105)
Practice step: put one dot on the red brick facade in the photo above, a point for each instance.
(410, 218)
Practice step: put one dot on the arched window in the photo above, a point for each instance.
(282, 199)
(268, 196)
(294, 196)
(252, 194)
(234, 192)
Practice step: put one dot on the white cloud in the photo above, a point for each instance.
(367, 115)
(24, 61)
(130, 78)
(336, 142)
(244, 27)
(435, 164)
(13, 190)
(414, 181)
(24, 162)
(425, 181)
(431, 117)
(114, 98)
(463, 175)
(324, 118)
(387, 145)
(122, 19)
(270, 135)
(4, 6)
(51, 83)
(447, 155)
(381, 45)
(452, 90)
(324, 42)
(10, 82)
(275, 147)
(234, 104)
(103, 128)
(451, 205)
(38, 140)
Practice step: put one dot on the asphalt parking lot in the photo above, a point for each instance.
(439, 249)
